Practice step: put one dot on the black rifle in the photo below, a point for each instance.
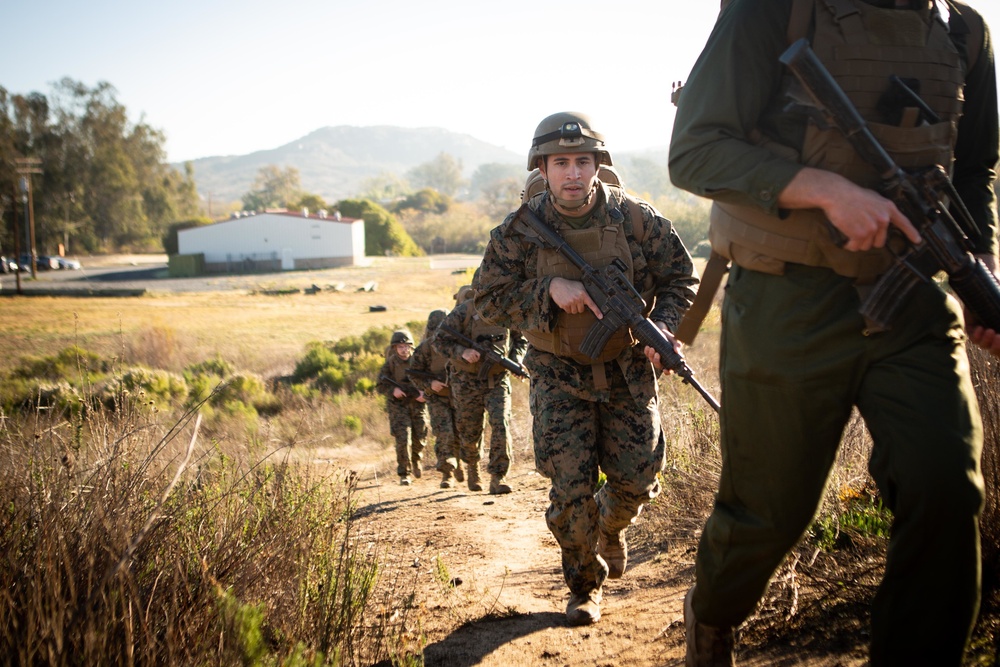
(412, 392)
(488, 355)
(923, 197)
(618, 300)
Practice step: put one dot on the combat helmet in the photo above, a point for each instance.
(435, 318)
(401, 336)
(567, 132)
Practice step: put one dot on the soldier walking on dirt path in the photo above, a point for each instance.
(797, 356)
(429, 372)
(588, 414)
(475, 397)
(406, 406)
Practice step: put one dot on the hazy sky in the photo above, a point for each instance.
(228, 77)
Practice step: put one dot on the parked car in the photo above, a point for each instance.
(42, 263)
(68, 264)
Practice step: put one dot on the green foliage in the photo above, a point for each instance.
(216, 366)
(106, 183)
(384, 188)
(364, 386)
(861, 515)
(242, 387)
(273, 187)
(383, 233)
(318, 356)
(353, 424)
(443, 173)
(159, 386)
(331, 379)
(70, 363)
(308, 201)
(426, 200)
(463, 228)
(170, 244)
(242, 623)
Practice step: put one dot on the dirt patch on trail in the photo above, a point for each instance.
(488, 586)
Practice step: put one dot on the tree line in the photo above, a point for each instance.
(102, 181)
(103, 185)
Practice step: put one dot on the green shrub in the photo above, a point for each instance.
(330, 380)
(318, 357)
(364, 386)
(216, 366)
(160, 387)
(72, 363)
(353, 424)
(246, 388)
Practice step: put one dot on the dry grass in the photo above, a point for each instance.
(80, 492)
(256, 332)
(127, 540)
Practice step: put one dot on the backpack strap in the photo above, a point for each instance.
(639, 230)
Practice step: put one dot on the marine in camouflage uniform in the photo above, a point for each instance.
(588, 415)
(475, 398)
(407, 415)
(427, 360)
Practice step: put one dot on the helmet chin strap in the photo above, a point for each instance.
(573, 204)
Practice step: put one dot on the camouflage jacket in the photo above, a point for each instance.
(395, 369)
(510, 294)
(425, 358)
(459, 319)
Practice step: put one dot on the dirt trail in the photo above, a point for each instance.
(508, 606)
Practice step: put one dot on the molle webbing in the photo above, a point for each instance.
(599, 246)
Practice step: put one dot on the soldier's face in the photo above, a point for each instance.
(404, 350)
(571, 176)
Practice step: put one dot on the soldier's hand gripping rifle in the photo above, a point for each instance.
(412, 393)
(618, 300)
(923, 197)
(488, 356)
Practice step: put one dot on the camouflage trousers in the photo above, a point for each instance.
(574, 440)
(442, 417)
(408, 426)
(474, 400)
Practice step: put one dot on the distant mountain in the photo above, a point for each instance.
(334, 161)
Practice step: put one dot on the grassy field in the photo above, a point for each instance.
(255, 330)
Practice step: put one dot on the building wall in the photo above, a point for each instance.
(272, 241)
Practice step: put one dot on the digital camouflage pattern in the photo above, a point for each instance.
(579, 429)
(407, 417)
(442, 415)
(475, 399)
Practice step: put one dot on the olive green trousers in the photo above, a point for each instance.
(794, 362)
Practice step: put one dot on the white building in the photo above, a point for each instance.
(273, 241)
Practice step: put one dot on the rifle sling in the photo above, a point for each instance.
(717, 267)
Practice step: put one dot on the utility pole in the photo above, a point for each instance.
(17, 246)
(26, 166)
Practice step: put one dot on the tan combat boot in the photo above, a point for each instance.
(473, 477)
(584, 608)
(417, 468)
(447, 481)
(706, 646)
(614, 550)
(499, 485)
(459, 473)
